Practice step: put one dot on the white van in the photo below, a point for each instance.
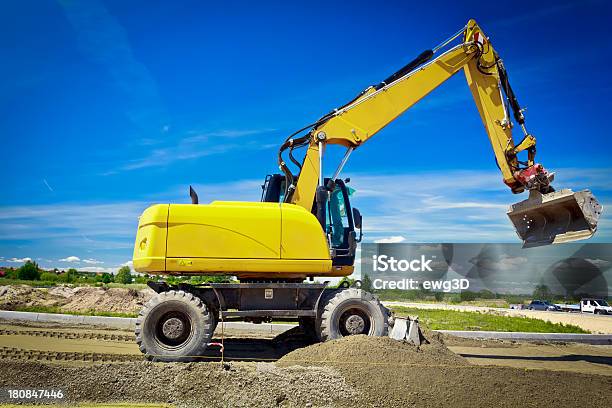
(596, 306)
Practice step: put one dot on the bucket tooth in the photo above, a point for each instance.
(560, 216)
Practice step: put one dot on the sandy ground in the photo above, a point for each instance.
(593, 323)
(102, 365)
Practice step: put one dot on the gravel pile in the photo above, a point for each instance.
(368, 351)
(191, 384)
(393, 374)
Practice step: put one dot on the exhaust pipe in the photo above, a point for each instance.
(552, 218)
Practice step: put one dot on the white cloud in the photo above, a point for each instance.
(508, 263)
(70, 259)
(19, 260)
(71, 222)
(92, 261)
(391, 240)
(227, 133)
(452, 206)
(98, 269)
(199, 145)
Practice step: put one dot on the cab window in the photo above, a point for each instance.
(337, 219)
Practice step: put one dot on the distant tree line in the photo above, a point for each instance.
(30, 271)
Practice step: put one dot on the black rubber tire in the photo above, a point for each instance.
(196, 327)
(353, 301)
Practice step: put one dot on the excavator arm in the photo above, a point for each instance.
(357, 121)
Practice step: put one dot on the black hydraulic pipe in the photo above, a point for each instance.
(421, 59)
(512, 101)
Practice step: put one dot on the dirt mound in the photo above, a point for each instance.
(109, 300)
(193, 385)
(12, 297)
(75, 299)
(373, 351)
(265, 385)
(392, 374)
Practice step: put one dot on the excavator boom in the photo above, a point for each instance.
(542, 219)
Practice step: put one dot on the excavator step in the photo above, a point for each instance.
(560, 216)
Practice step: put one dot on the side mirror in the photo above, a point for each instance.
(357, 219)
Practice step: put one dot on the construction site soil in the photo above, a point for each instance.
(100, 365)
(75, 299)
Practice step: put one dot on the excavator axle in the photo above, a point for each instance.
(560, 216)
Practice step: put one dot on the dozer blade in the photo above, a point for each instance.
(407, 329)
(561, 216)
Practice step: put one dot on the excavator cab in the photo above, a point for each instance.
(338, 219)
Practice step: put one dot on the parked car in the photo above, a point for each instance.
(543, 305)
(595, 306)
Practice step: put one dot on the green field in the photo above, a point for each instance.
(42, 283)
(436, 319)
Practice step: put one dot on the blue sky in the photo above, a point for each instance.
(109, 106)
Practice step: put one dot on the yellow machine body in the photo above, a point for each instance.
(250, 240)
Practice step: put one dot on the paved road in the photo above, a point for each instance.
(593, 323)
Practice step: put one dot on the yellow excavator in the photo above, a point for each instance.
(305, 226)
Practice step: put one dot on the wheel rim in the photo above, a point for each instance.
(173, 330)
(354, 321)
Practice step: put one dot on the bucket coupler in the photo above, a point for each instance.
(552, 218)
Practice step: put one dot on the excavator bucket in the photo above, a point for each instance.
(560, 216)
